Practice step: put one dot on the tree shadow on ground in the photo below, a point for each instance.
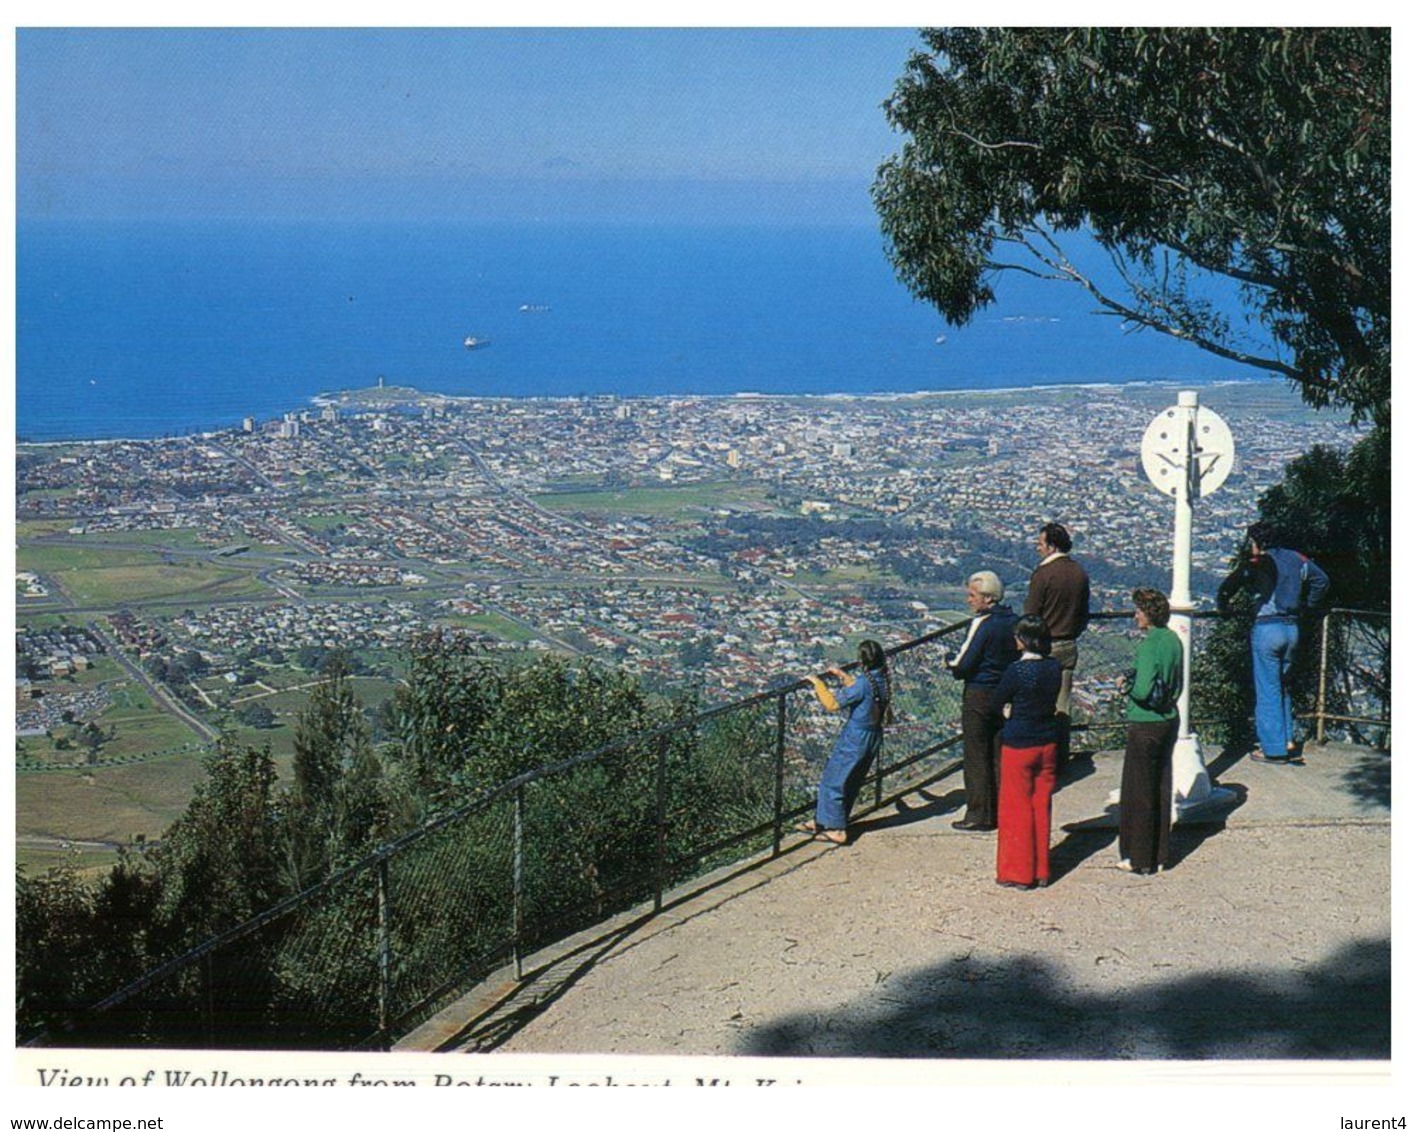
(1021, 1007)
(1369, 779)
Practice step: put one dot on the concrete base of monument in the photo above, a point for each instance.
(1196, 796)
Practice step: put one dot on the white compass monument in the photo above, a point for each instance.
(1187, 453)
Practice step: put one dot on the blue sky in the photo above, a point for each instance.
(494, 123)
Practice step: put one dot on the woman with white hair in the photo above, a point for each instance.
(988, 649)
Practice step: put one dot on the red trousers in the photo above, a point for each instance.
(1026, 810)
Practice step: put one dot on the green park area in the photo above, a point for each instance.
(657, 502)
(854, 575)
(114, 804)
(327, 521)
(132, 726)
(145, 774)
(179, 538)
(287, 698)
(504, 628)
(28, 529)
(106, 576)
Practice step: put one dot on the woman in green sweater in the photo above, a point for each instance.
(1152, 692)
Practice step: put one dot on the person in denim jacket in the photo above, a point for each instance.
(1282, 583)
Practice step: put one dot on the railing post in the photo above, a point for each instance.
(208, 1007)
(779, 768)
(381, 873)
(662, 750)
(1324, 679)
(518, 808)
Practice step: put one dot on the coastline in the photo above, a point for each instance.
(341, 397)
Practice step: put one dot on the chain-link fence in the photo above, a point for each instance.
(370, 951)
(375, 948)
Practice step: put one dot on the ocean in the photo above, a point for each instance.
(148, 329)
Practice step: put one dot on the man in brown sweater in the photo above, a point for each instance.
(1058, 592)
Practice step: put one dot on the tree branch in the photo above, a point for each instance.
(980, 143)
(1060, 264)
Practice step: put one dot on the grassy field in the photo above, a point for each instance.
(107, 803)
(327, 522)
(141, 730)
(101, 670)
(371, 691)
(96, 574)
(69, 559)
(494, 623)
(51, 493)
(662, 502)
(40, 528)
(117, 803)
(179, 538)
(90, 864)
(846, 575)
(152, 581)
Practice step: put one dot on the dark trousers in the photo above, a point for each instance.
(1145, 800)
(1065, 651)
(980, 727)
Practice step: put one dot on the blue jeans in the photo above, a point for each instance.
(843, 776)
(1273, 647)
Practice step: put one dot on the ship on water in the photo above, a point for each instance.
(473, 343)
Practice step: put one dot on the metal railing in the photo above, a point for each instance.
(373, 948)
(1354, 688)
(377, 946)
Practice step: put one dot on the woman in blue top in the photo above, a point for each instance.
(866, 701)
(1027, 694)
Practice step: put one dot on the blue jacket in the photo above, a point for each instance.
(1282, 582)
(1031, 687)
(989, 648)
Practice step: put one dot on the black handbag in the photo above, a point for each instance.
(1162, 697)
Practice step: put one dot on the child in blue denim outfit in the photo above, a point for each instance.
(866, 700)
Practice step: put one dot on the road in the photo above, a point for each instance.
(159, 693)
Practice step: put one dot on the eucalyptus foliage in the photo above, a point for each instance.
(1257, 155)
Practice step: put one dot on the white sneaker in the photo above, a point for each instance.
(1125, 865)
